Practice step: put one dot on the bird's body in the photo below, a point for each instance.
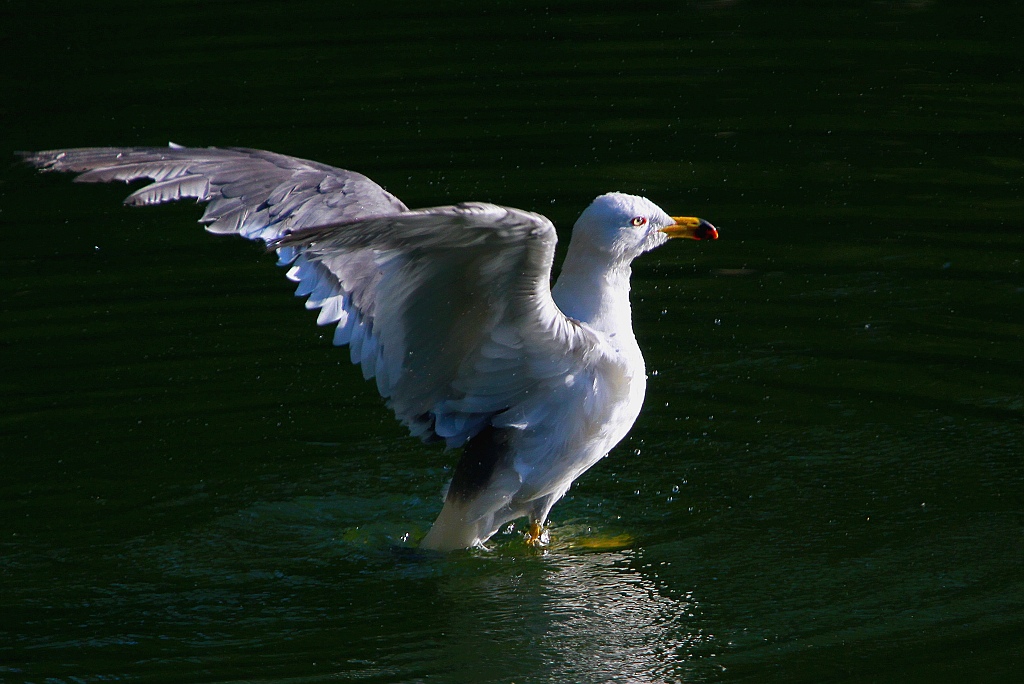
(449, 308)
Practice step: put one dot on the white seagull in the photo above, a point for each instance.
(449, 308)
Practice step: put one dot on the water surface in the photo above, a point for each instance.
(826, 483)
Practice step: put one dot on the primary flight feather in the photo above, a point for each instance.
(449, 308)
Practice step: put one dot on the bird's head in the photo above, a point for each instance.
(626, 226)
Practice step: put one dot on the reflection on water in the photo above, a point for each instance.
(610, 619)
(582, 617)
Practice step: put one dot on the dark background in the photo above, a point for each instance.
(826, 483)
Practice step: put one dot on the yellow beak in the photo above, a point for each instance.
(690, 227)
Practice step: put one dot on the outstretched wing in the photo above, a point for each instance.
(450, 308)
(458, 326)
(254, 193)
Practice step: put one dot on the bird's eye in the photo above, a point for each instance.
(638, 221)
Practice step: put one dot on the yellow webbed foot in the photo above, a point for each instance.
(535, 536)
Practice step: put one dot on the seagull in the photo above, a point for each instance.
(450, 309)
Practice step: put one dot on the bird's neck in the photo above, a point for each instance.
(593, 288)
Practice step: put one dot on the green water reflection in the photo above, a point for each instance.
(826, 483)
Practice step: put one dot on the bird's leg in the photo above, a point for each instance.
(535, 534)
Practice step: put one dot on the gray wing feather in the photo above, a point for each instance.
(448, 308)
(248, 190)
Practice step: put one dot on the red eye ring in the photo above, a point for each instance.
(638, 221)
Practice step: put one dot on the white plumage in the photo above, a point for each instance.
(450, 309)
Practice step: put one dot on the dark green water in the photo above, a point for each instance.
(827, 482)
